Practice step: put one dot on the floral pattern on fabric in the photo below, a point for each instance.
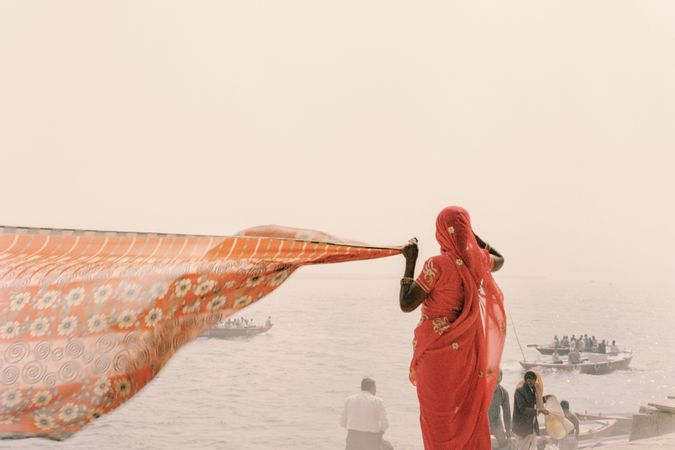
(88, 318)
(428, 276)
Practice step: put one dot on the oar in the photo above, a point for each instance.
(516, 333)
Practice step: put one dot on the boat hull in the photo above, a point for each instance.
(603, 367)
(233, 332)
(549, 350)
(599, 367)
(544, 365)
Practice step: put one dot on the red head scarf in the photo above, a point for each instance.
(482, 295)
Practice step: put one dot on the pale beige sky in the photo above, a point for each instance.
(552, 122)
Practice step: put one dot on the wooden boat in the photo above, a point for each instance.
(595, 428)
(591, 432)
(591, 363)
(548, 350)
(603, 366)
(622, 424)
(562, 365)
(224, 332)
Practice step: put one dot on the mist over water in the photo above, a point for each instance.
(285, 389)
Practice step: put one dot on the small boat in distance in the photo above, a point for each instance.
(591, 363)
(235, 329)
(603, 366)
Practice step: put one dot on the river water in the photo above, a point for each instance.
(285, 389)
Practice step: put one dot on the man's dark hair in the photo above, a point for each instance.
(564, 404)
(529, 375)
(367, 384)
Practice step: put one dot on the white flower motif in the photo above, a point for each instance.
(455, 345)
(429, 272)
(278, 278)
(94, 413)
(126, 318)
(153, 317)
(191, 307)
(75, 296)
(102, 387)
(69, 412)
(7, 419)
(459, 261)
(159, 289)
(242, 301)
(182, 287)
(253, 281)
(11, 398)
(216, 302)
(122, 387)
(42, 398)
(39, 327)
(205, 287)
(67, 326)
(97, 323)
(102, 293)
(451, 230)
(18, 301)
(44, 421)
(47, 299)
(130, 291)
(228, 284)
(9, 330)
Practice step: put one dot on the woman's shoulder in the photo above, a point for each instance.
(440, 260)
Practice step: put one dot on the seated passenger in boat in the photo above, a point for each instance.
(580, 345)
(556, 342)
(570, 441)
(555, 357)
(574, 357)
(565, 342)
(613, 348)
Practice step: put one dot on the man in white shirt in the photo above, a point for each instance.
(365, 419)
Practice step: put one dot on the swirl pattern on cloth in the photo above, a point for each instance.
(87, 318)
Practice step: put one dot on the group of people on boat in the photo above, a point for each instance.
(585, 344)
(243, 322)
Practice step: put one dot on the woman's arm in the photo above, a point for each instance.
(411, 295)
(497, 258)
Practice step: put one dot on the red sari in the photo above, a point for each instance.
(459, 339)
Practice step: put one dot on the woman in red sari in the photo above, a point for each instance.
(459, 339)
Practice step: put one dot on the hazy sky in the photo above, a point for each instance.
(552, 122)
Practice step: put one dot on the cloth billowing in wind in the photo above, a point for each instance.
(87, 318)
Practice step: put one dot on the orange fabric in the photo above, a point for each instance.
(459, 340)
(87, 318)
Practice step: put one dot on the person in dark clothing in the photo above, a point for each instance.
(525, 411)
(500, 405)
